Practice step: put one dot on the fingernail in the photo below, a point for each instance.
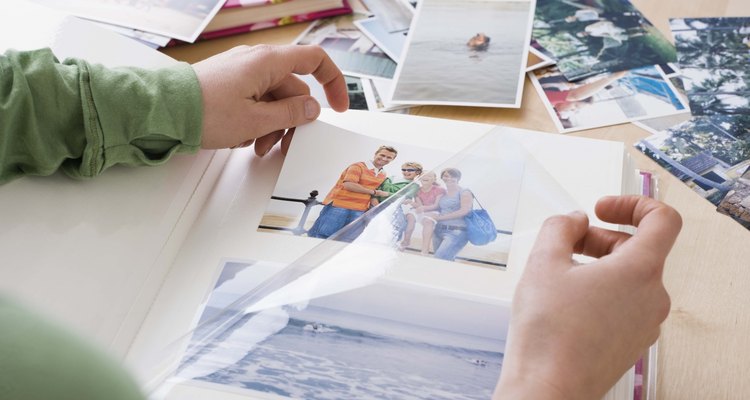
(312, 108)
(577, 213)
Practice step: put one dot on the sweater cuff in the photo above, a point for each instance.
(134, 116)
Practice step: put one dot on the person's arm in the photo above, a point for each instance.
(357, 188)
(84, 118)
(576, 328)
(40, 360)
(466, 200)
(587, 90)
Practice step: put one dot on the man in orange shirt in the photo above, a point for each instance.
(350, 197)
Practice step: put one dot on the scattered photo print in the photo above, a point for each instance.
(714, 58)
(465, 52)
(386, 340)
(736, 203)
(590, 37)
(606, 99)
(355, 86)
(348, 47)
(374, 89)
(183, 20)
(537, 60)
(391, 42)
(707, 153)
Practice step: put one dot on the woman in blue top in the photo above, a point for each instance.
(450, 234)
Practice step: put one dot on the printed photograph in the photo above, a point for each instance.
(387, 340)
(736, 203)
(590, 37)
(465, 52)
(352, 51)
(182, 20)
(607, 99)
(376, 100)
(537, 60)
(391, 42)
(355, 87)
(713, 55)
(339, 185)
(388, 26)
(706, 153)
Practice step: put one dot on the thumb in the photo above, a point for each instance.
(558, 239)
(285, 113)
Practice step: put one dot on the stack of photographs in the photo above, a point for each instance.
(611, 65)
(710, 152)
(431, 52)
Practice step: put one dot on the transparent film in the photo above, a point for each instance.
(399, 303)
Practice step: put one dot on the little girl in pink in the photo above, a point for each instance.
(425, 199)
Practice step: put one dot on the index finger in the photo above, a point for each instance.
(306, 59)
(657, 226)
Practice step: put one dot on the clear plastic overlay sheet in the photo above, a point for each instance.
(366, 314)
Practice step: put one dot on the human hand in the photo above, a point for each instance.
(575, 329)
(381, 193)
(251, 94)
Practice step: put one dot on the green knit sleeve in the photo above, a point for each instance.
(84, 118)
(40, 360)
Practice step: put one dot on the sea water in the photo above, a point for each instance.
(342, 363)
(440, 66)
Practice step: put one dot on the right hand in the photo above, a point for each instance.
(575, 329)
(252, 93)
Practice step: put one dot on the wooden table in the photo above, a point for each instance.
(704, 350)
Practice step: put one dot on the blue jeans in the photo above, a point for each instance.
(448, 242)
(332, 219)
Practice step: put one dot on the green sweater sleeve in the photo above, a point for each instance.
(41, 361)
(84, 118)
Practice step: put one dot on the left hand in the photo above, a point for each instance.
(251, 94)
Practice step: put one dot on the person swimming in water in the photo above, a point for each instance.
(479, 42)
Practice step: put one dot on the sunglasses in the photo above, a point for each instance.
(409, 170)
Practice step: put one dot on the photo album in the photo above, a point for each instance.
(261, 276)
(376, 259)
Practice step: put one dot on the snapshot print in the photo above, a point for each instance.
(589, 37)
(352, 51)
(183, 20)
(388, 25)
(386, 340)
(606, 99)
(465, 52)
(713, 55)
(736, 203)
(708, 153)
(337, 185)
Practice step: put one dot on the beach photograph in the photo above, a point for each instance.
(387, 340)
(590, 37)
(606, 99)
(407, 205)
(713, 57)
(465, 52)
(352, 51)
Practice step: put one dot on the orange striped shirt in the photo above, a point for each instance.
(357, 173)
